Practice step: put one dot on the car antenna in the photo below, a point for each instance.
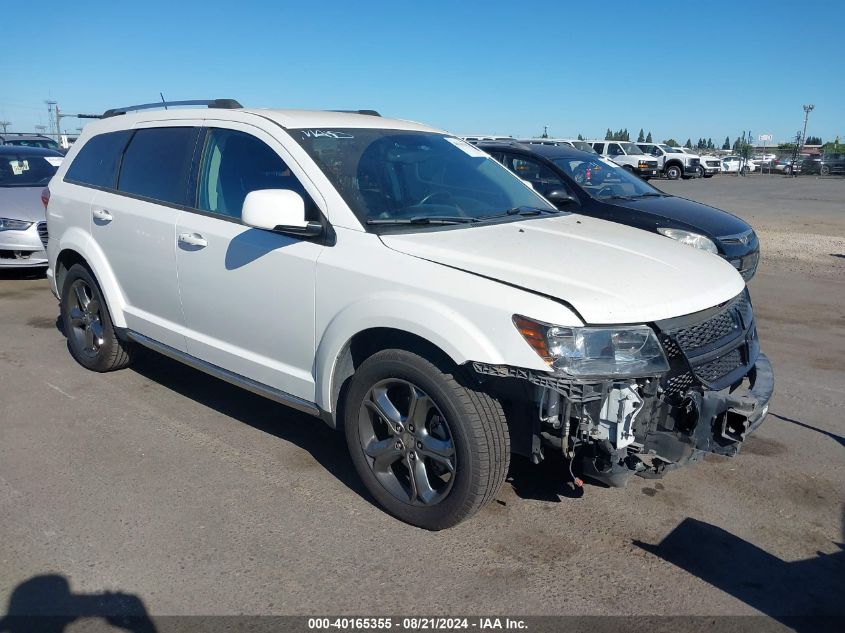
(162, 100)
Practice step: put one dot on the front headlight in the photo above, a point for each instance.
(8, 224)
(690, 239)
(595, 352)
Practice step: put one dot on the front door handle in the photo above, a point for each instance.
(102, 215)
(193, 239)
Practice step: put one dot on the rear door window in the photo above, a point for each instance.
(613, 149)
(599, 147)
(97, 162)
(157, 163)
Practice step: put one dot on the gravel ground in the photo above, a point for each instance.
(192, 497)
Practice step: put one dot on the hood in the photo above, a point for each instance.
(608, 272)
(22, 203)
(710, 221)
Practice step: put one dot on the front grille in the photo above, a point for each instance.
(703, 334)
(42, 233)
(678, 384)
(709, 347)
(651, 163)
(712, 163)
(720, 367)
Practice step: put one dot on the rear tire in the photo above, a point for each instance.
(744, 171)
(91, 337)
(825, 170)
(431, 450)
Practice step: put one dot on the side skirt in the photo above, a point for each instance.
(224, 374)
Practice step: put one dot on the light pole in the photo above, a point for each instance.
(807, 110)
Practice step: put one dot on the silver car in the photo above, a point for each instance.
(24, 173)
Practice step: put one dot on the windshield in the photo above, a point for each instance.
(400, 175)
(630, 149)
(42, 143)
(603, 181)
(671, 150)
(24, 171)
(584, 146)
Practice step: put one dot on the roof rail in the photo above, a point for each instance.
(227, 104)
(368, 112)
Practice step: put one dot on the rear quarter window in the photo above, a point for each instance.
(97, 162)
(157, 163)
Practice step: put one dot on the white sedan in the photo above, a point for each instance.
(734, 164)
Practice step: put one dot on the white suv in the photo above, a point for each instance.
(400, 284)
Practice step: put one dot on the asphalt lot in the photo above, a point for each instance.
(198, 498)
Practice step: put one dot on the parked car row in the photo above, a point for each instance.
(442, 303)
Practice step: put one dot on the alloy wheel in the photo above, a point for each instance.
(407, 442)
(86, 325)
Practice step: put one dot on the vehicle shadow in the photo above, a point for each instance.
(800, 594)
(547, 481)
(833, 436)
(326, 446)
(46, 604)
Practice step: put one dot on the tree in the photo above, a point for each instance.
(727, 143)
(688, 144)
(608, 136)
(641, 137)
(736, 145)
(671, 142)
(813, 140)
(710, 144)
(580, 138)
(648, 138)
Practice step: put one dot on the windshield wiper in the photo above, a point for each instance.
(524, 211)
(421, 219)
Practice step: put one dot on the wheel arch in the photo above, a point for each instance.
(423, 327)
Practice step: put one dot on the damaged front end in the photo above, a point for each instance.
(710, 387)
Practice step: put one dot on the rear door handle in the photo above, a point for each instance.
(193, 239)
(102, 215)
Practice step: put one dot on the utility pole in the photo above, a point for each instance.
(5, 124)
(807, 110)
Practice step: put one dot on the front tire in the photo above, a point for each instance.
(673, 172)
(91, 338)
(431, 450)
(824, 171)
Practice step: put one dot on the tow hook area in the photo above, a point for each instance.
(734, 423)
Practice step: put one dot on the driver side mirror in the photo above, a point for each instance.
(279, 210)
(561, 198)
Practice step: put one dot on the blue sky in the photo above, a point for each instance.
(680, 69)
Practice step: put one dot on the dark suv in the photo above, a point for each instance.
(584, 183)
(833, 163)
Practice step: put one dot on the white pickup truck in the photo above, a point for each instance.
(672, 161)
